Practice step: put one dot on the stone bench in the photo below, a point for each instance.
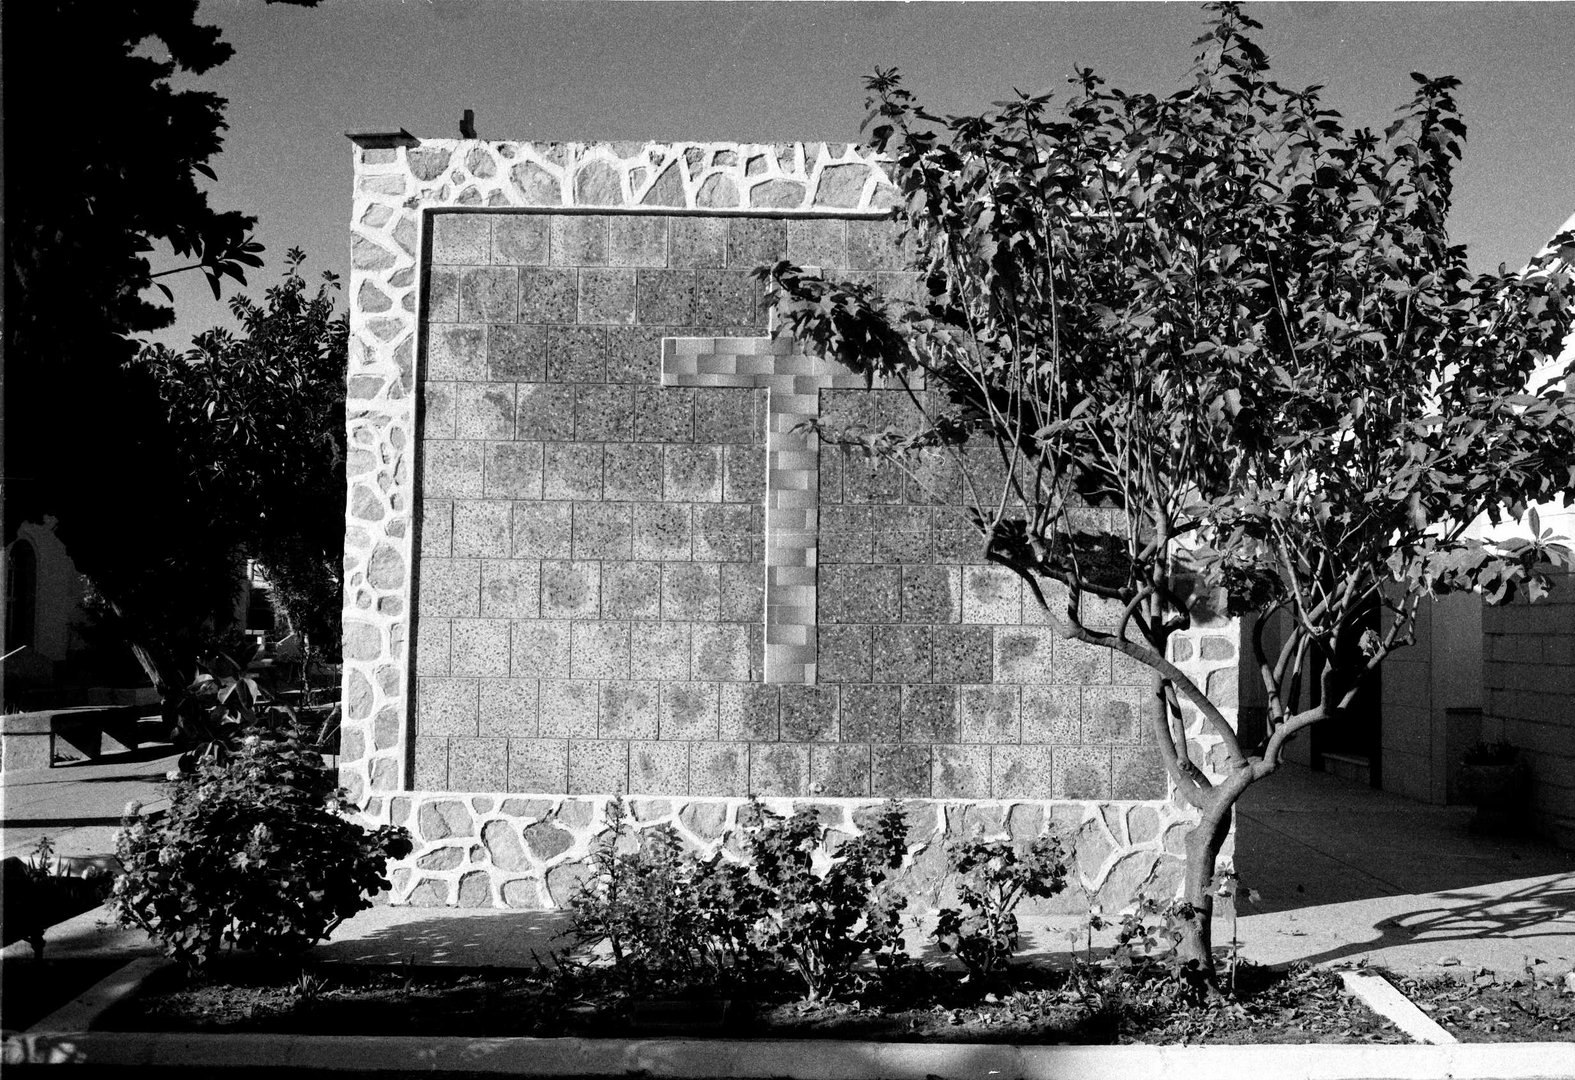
(27, 740)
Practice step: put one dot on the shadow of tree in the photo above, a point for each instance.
(1536, 908)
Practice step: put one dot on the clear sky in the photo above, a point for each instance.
(776, 71)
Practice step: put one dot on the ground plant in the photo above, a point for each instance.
(670, 916)
(666, 915)
(256, 852)
(1210, 354)
(992, 877)
(821, 913)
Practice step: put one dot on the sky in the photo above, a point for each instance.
(590, 70)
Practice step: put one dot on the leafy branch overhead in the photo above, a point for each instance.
(257, 419)
(1211, 350)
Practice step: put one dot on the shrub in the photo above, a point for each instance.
(666, 914)
(254, 852)
(669, 915)
(1149, 939)
(992, 878)
(820, 913)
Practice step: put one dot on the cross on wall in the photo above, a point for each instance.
(793, 381)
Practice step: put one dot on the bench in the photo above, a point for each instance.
(27, 740)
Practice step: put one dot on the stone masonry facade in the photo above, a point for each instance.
(591, 550)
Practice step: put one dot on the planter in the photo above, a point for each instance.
(1498, 791)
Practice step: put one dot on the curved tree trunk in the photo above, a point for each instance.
(1203, 843)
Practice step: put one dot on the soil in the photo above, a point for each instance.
(1481, 1006)
(1040, 1007)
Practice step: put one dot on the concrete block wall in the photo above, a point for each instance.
(590, 553)
(1432, 699)
(1528, 684)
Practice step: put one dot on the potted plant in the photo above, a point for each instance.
(1493, 779)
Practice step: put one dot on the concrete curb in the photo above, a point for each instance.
(80, 1013)
(805, 1059)
(1379, 995)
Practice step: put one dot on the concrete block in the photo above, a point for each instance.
(688, 711)
(658, 768)
(599, 650)
(718, 768)
(808, 713)
(544, 411)
(538, 766)
(447, 706)
(991, 714)
(578, 239)
(450, 587)
(748, 712)
(508, 708)
(598, 766)
(477, 764)
(479, 647)
(542, 530)
(519, 239)
(576, 354)
(628, 710)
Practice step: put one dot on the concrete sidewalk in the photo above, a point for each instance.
(1345, 872)
(79, 805)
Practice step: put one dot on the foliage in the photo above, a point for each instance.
(258, 423)
(993, 877)
(820, 913)
(81, 221)
(255, 851)
(1228, 886)
(667, 915)
(1491, 753)
(1211, 348)
(227, 703)
(40, 863)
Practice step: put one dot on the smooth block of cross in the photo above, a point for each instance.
(793, 381)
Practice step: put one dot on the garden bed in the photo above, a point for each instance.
(1485, 1007)
(1047, 1007)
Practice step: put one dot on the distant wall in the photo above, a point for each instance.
(1432, 700)
(1528, 680)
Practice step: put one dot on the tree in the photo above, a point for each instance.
(102, 169)
(258, 422)
(1236, 333)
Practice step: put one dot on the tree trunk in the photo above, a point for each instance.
(1203, 843)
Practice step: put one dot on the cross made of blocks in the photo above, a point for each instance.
(793, 381)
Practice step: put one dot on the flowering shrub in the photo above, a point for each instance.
(255, 851)
(821, 913)
(667, 915)
(670, 915)
(992, 878)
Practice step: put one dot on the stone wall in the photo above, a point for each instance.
(590, 553)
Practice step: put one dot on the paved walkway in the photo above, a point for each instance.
(79, 806)
(1345, 872)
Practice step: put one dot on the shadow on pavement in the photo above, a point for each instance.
(452, 936)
